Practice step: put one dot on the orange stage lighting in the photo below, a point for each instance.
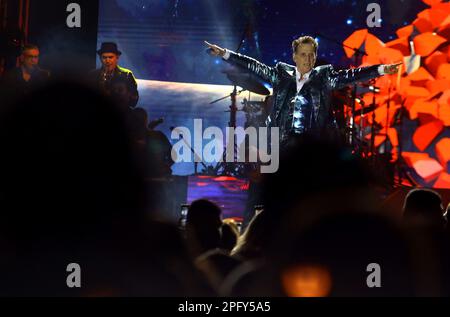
(307, 281)
(428, 169)
(444, 108)
(434, 16)
(372, 47)
(378, 140)
(420, 75)
(422, 86)
(405, 31)
(393, 136)
(390, 55)
(421, 106)
(435, 60)
(443, 72)
(412, 157)
(426, 133)
(427, 43)
(446, 51)
(444, 114)
(425, 118)
(436, 86)
(443, 151)
(432, 2)
(444, 29)
(444, 99)
(423, 25)
(443, 181)
(414, 92)
(401, 44)
(442, 6)
(355, 40)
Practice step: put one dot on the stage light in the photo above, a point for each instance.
(307, 281)
(374, 89)
(349, 21)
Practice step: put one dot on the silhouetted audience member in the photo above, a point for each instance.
(216, 264)
(425, 221)
(423, 207)
(315, 177)
(311, 167)
(203, 235)
(71, 192)
(254, 242)
(230, 234)
(203, 224)
(446, 215)
(154, 147)
(318, 181)
(329, 257)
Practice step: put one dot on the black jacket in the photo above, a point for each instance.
(112, 86)
(14, 86)
(317, 91)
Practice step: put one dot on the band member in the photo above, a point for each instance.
(302, 93)
(113, 80)
(28, 76)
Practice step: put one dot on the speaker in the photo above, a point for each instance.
(66, 33)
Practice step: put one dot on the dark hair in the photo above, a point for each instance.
(204, 212)
(28, 47)
(304, 40)
(230, 234)
(425, 203)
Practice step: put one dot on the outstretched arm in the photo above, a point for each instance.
(342, 78)
(266, 73)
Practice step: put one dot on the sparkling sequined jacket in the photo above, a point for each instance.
(316, 92)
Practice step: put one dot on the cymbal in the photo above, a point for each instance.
(248, 81)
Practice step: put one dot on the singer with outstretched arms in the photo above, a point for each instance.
(302, 93)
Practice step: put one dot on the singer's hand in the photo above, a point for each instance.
(216, 50)
(391, 69)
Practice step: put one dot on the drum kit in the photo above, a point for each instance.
(256, 113)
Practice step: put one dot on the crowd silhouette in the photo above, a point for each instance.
(74, 189)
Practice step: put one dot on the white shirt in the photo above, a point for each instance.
(301, 80)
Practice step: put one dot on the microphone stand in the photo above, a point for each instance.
(387, 121)
(230, 168)
(400, 142)
(195, 155)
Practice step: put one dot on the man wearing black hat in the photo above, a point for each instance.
(113, 80)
